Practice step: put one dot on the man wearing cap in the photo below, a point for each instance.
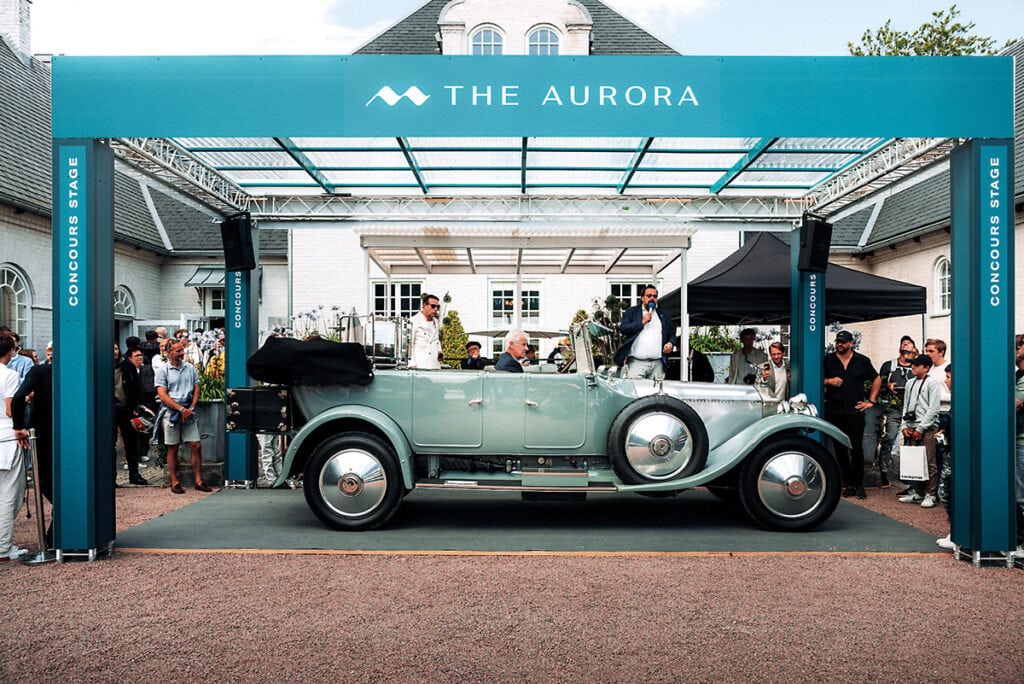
(920, 424)
(849, 376)
(473, 360)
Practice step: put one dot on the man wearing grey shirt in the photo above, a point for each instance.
(921, 400)
(177, 386)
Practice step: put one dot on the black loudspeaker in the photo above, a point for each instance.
(815, 240)
(236, 233)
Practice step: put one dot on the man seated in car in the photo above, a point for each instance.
(515, 351)
(473, 360)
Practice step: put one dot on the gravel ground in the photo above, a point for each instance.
(280, 616)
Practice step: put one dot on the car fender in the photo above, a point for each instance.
(730, 453)
(374, 418)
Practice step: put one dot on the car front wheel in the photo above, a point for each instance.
(353, 482)
(790, 484)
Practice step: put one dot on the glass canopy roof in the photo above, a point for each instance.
(634, 166)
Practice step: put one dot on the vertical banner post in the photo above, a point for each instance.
(242, 328)
(83, 323)
(807, 332)
(982, 408)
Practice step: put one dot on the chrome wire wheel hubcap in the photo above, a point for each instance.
(658, 446)
(353, 483)
(791, 484)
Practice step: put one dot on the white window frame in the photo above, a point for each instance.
(538, 44)
(15, 285)
(942, 283)
(635, 287)
(211, 295)
(489, 40)
(505, 318)
(397, 298)
(124, 303)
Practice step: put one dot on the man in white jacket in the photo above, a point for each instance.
(921, 401)
(425, 340)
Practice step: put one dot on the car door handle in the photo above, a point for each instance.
(476, 402)
(531, 403)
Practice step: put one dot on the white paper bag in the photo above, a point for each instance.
(913, 463)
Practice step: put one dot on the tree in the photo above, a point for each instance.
(944, 35)
(713, 338)
(453, 339)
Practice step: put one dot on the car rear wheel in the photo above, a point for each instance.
(656, 439)
(790, 484)
(353, 482)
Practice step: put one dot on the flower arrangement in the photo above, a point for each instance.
(208, 358)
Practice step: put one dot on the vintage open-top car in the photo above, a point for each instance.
(363, 439)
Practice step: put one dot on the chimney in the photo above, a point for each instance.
(15, 26)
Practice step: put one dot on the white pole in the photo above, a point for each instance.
(684, 318)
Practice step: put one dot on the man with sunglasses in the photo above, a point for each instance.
(425, 338)
(648, 338)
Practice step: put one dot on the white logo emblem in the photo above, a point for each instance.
(415, 95)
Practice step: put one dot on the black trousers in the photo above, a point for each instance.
(852, 425)
(130, 438)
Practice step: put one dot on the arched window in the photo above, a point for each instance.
(943, 293)
(487, 41)
(543, 41)
(124, 302)
(15, 300)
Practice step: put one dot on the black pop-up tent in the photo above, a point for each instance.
(752, 285)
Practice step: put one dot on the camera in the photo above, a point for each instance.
(749, 378)
(910, 416)
(940, 439)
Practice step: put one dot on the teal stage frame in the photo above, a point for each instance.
(94, 98)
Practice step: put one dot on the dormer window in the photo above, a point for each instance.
(487, 41)
(543, 41)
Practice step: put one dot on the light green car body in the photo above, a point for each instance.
(549, 435)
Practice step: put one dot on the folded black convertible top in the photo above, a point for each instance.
(285, 361)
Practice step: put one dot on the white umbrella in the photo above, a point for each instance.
(543, 334)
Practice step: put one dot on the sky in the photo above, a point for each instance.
(693, 27)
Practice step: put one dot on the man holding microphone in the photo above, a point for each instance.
(649, 338)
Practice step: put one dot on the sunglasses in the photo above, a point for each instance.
(434, 306)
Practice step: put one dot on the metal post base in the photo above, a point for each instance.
(90, 555)
(239, 484)
(979, 558)
(47, 556)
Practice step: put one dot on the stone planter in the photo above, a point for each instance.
(212, 419)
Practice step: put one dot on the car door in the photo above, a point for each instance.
(446, 409)
(555, 407)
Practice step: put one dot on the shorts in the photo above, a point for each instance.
(180, 432)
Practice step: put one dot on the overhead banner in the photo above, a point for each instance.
(428, 95)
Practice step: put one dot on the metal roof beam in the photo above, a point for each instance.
(742, 164)
(414, 166)
(177, 167)
(634, 164)
(519, 209)
(307, 165)
(892, 161)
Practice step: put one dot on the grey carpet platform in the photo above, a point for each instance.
(492, 522)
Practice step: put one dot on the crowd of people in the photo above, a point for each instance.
(906, 402)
